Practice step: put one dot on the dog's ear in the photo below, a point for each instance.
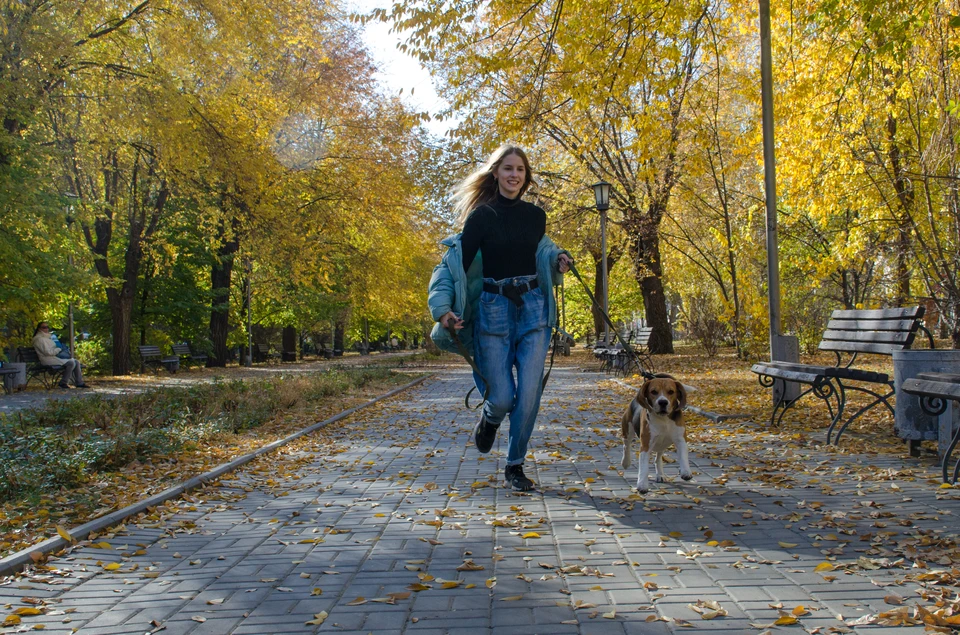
(643, 396)
(681, 397)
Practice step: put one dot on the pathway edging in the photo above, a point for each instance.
(15, 562)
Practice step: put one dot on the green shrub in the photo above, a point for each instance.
(63, 443)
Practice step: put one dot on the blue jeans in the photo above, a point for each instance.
(509, 337)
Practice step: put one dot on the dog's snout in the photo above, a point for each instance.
(662, 402)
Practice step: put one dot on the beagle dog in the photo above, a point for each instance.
(655, 415)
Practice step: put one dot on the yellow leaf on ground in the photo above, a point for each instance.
(785, 620)
(318, 619)
(824, 566)
(470, 565)
(113, 566)
(531, 534)
(28, 610)
(65, 534)
(787, 545)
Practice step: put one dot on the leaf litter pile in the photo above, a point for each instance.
(776, 532)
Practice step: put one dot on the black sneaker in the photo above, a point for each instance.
(484, 435)
(516, 479)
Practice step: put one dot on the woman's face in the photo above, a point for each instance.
(511, 174)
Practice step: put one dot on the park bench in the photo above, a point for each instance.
(262, 352)
(187, 356)
(849, 333)
(617, 359)
(47, 374)
(150, 356)
(935, 391)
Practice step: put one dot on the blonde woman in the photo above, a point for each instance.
(495, 288)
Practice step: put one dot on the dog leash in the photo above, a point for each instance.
(486, 384)
(466, 355)
(646, 374)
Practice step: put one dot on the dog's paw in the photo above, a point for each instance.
(686, 476)
(643, 487)
(625, 462)
(659, 479)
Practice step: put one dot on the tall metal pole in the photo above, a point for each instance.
(603, 265)
(73, 337)
(248, 362)
(769, 174)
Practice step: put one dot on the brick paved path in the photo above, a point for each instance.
(341, 529)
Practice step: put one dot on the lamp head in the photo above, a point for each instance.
(601, 193)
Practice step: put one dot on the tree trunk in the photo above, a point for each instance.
(220, 275)
(646, 248)
(904, 189)
(338, 329)
(121, 312)
(955, 335)
(613, 256)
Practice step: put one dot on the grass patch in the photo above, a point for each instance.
(64, 443)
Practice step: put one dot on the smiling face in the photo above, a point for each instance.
(512, 175)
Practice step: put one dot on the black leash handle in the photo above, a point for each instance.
(646, 374)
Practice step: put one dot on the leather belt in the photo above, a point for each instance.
(512, 292)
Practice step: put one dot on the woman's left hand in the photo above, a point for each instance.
(563, 263)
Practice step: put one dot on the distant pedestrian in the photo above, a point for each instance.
(47, 352)
(494, 286)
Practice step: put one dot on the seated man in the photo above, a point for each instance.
(47, 352)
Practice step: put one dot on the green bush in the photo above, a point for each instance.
(65, 442)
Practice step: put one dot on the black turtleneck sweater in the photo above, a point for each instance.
(507, 232)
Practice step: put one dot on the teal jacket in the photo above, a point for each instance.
(452, 289)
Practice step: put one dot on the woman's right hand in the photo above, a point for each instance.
(449, 319)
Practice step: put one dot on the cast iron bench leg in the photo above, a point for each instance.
(878, 398)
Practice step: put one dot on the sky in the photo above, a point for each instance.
(399, 71)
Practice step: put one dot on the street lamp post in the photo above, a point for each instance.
(601, 194)
(70, 328)
(248, 360)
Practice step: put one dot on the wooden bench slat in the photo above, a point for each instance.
(947, 377)
(876, 337)
(839, 372)
(790, 374)
(862, 347)
(913, 312)
(939, 389)
(871, 325)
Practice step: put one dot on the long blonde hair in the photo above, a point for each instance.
(481, 186)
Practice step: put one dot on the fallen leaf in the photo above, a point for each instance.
(318, 619)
